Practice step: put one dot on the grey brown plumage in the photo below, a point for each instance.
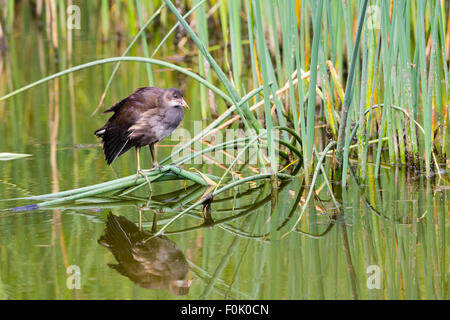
(145, 117)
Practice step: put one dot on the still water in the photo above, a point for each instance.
(389, 241)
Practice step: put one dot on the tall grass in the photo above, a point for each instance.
(401, 40)
(283, 65)
(276, 65)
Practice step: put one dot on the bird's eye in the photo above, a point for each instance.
(175, 96)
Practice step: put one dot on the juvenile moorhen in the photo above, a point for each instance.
(144, 118)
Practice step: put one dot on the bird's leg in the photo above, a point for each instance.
(152, 152)
(155, 160)
(138, 149)
(140, 172)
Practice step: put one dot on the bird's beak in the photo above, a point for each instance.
(185, 105)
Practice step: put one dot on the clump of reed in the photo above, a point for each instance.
(360, 81)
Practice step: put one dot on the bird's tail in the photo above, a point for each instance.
(117, 239)
(115, 142)
(118, 233)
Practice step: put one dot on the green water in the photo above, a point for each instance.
(396, 225)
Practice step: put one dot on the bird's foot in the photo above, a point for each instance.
(146, 170)
(156, 166)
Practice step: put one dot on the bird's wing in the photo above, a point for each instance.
(142, 99)
(146, 123)
(116, 133)
(130, 110)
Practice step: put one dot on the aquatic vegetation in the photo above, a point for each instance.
(323, 124)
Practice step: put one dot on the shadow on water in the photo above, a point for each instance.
(150, 262)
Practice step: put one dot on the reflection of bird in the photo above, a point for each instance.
(154, 264)
(144, 118)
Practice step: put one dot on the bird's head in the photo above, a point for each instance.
(174, 97)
